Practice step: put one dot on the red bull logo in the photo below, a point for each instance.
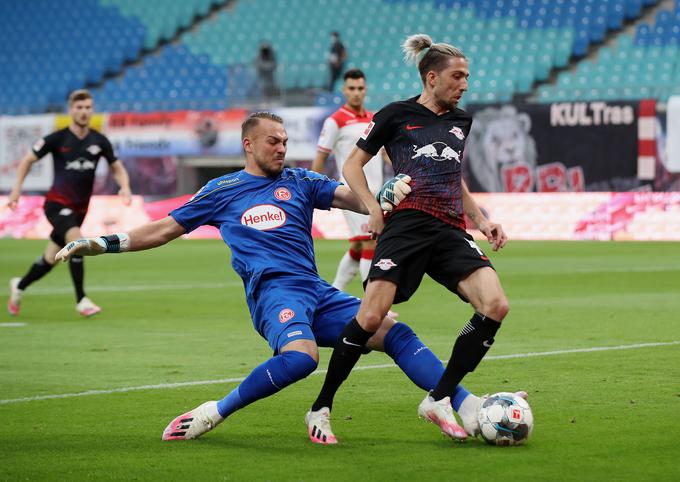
(458, 132)
(264, 217)
(437, 151)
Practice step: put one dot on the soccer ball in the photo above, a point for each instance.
(505, 419)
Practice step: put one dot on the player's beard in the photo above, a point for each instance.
(270, 169)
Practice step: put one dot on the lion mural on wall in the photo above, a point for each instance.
(499, 139)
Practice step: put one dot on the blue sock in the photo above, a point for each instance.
(267, 379)
(417, 361)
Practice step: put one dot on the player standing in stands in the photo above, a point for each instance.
(264, 213)
(339, 135)
(76, 150)
(424, 137)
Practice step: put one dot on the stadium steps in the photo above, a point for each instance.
(647, 15)
(161, 43)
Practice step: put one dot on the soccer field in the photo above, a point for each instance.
(592, 335)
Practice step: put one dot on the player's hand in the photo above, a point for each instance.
(81, 247)
(376, 222)
(126, 194)
(494, 234)
(13, 200)
(393, 192)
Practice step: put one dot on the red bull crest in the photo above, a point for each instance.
(458, 132)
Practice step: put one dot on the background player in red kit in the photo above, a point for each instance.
(424, 137)
(339, 135)
(76, 150)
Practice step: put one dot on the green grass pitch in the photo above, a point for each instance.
(177, 314)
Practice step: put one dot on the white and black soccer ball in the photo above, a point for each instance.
(505, 419)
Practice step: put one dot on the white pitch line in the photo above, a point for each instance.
(164, 386)
(115, 289)
(11, 325)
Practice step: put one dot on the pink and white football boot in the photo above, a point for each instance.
(319, 427)
(440, 413)
(195, 423)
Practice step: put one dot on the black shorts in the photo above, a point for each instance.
(414, 243)
(62, 218)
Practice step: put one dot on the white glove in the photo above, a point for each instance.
(81, 247)
(393, 192)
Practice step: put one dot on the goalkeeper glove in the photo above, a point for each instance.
(393, 192)
(115, 243)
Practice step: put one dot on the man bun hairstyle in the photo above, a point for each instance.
(253, 120)
(427, 55)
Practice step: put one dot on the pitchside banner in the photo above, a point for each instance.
(182, 133)
(17, 136)
(561, 147)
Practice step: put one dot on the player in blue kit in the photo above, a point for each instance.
(264, 213)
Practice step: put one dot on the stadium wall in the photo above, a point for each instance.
(535, 216)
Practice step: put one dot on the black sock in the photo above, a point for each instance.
(38, 269)
(77, 268)
(345, 355)
(471, 345)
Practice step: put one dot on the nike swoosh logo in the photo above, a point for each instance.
(344, 340)
(487, 344)
(409, 127)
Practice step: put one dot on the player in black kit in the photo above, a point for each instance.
(76, 150)
(425, 137)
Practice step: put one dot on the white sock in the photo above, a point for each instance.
(365, 267)
(347, 269)
(467, 412)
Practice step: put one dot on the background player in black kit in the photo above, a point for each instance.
(425, 136)
(75, 150)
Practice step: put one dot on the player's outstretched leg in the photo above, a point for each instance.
(194, 423)
(265, 380)
(14, 301)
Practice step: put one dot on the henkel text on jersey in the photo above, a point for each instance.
(429, 148)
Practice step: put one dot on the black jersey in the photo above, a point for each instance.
(75, 161)
(429, 148)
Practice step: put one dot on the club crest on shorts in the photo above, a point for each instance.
(385, 264)
(286, 314)
(282, 194)
(456, 131)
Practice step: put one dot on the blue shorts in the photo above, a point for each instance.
(287, 308)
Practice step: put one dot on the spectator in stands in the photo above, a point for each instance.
(336, 60)
(265, 63)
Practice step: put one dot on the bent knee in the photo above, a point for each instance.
(496, 308)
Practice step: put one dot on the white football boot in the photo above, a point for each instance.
(14, 301)
(87, 308)
(469, 411)
(319, 427)
(440, 413)
(195, 423)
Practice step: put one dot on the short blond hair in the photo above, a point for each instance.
(80, 94)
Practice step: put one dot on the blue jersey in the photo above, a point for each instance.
(266, 222)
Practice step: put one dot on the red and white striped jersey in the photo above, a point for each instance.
(339, 135)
